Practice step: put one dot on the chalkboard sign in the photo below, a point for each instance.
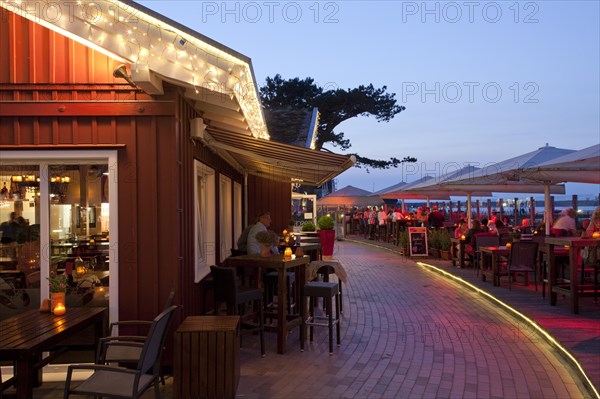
(417, 239)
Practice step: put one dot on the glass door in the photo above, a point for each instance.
(79, 231)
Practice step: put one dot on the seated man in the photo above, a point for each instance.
(264, 221)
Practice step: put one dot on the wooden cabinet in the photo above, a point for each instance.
(207, 357)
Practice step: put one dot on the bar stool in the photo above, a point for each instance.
(327, 291)
(271, 280)
(324, 271)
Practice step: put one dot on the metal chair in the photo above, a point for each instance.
(121, 382)
(109, 352)
(227, 291)
(523, 255)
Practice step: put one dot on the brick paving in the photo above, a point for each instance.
(408, 332)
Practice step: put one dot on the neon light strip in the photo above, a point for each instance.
(564, 351)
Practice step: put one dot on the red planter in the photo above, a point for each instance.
(326, 239)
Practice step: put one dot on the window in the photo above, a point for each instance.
(225, 222)
(61, 200)
(204, 187)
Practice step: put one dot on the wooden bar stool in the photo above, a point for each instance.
(327, 291)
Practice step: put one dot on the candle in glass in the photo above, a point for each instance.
(59, 310)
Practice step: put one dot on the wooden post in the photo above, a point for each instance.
(477, 210)
(532, 212)
(574, 203)
(489, 208)
(516, 207)
(458, 208)
(501, 209)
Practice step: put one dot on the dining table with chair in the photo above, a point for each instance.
(285, 321)
(24, 337)
(493, 253)
(575, 287)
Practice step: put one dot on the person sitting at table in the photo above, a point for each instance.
(9, 229)
(29, 256)
(264, 221)
(524, 228)
(594, 225)
(484, 225)
(462, 229)
(500, 228)
(242, 241)
(565, 225)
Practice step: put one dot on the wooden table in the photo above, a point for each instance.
(494, 253)
(25, 336)
(313, 249)
(461, 252)
(573, 290)
(285, 321)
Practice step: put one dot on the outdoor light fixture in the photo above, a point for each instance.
(121, 72)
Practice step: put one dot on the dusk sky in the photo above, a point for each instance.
(481, 81)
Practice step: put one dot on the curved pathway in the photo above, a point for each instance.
(410, 333)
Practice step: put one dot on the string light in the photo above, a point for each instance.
(129, 35)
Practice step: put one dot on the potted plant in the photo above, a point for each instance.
(403, 242)
(434, 243)
(445, 244)
(326, 235)
(308, 226)
(266, 241)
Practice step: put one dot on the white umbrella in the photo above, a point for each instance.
(581, 166)
(435, 184)
(350, 196)
(507, 176)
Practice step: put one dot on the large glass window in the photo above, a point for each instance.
(54, 220)
(20, 249)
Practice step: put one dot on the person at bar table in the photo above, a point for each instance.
(565, 225)
(594, 225)
(264, 221)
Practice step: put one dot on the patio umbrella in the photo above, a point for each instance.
(581, 166)
(350, 196)
(398, 191)
(507, 176)
(435, 184)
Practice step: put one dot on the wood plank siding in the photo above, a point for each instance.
(56, 93)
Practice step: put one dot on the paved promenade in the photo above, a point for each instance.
(409, 332)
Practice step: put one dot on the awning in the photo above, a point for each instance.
(276, 161)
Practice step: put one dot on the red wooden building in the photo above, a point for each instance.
(137, 144)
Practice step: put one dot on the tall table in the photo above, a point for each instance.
(573, 290)
(25, 336)
(285, 321)
(494, 253)
(461, 251)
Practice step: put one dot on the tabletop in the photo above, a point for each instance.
(23, 338)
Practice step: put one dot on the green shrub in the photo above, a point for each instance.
(308, 226)
(325, 222)
(433, 239)
(444, 240)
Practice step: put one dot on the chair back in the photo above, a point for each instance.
(154, 343)
(169, 301)
(486, 240)
(523, 253)
(224, 286)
